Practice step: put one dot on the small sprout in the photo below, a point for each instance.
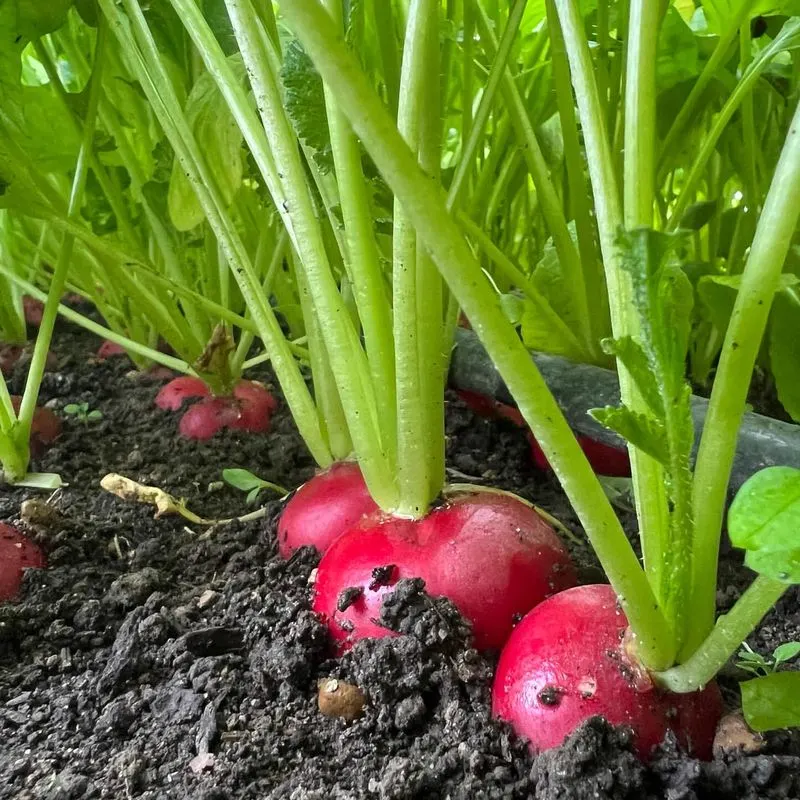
(246, 481)
(83, 413)
(761, 666)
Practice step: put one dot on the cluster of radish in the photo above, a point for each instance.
(564, 654)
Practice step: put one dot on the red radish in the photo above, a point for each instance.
(17, 553)
(109, 349)
(45, 428)
(491, 554)
(605, 459)
(249, 408)
(179, 390)
(9, 355)
(566, 662)
(34, 310)
(323, 508)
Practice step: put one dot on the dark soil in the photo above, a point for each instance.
(156, 659)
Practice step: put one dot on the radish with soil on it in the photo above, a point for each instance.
(650, 299)
(17, 553)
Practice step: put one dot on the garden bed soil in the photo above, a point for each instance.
(156, 659)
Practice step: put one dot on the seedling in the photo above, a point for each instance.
(759, 665)
(82, 412)
(246, 481)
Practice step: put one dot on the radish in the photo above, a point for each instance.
(605, 459)
(109, 349)
(173, 395)
(33, 309)
(567, 661)
(17, 553)
(45, 428)
(490, 553)
(11, 354)
(249, 408)
(323, 508)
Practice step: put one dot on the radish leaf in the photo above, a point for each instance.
(642, 431)
(772, 702)
(763, 520)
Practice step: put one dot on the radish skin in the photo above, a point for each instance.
(332, 502)
(17, 553)
(567, 661)
(491, 554)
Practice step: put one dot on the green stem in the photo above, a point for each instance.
(383, 11)
(726, 407)
(363, 257)
(346, 355)
(729, 632)
(425, 203)
(59, 278)
(639, 192)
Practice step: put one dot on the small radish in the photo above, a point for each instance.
(174, 394)
(9, 355)
(490, 553)
(17, 553)
(33, 309)
(566, 662)
(45, 427)
(249, 408)
(109, 349)
(323, 508)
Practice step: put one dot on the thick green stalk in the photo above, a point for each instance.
(639, 193)
(363, 257)
(147, 66)
(726, 407)
(729, 632)
(39, 359)
(424, 200)
(345, 353)
(414, 468)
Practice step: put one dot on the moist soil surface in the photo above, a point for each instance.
(160, 659)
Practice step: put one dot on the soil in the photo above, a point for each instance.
(157, 659)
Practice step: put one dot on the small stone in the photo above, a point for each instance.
(734, 735)
(39, 514)
(133, 588)
(207, 599)
(201, 763)
(213, 641)
(336, 698)
(410, 712)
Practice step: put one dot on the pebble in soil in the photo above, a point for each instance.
(154, 660)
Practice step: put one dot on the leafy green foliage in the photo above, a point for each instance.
(305, 104)
(756, 664)
(246, 481)
(677, 51)
(772, 702)
(220, 138)
(763, 520)
(83, 413)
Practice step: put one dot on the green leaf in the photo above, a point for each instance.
(253, 495)
(47, 481)
(549, 280)
(631, 354)
(242, 479)
(763, 520)
(641, 431)
(786, 652)
(219, 138)
(216, 14)
(698, 215)
(88, 10)
(94, 416)
(36, 18)
(305, 104)
(513, 307)
(677, 51)
(772, 702)
(784, 350)
(72, 409)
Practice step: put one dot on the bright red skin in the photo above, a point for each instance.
(109, 349)
(565, 662)
(250, 408)
(492, 555)
(322, 509)
(605, 460)
(45, 428)
(173, 395)
(17, 553)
